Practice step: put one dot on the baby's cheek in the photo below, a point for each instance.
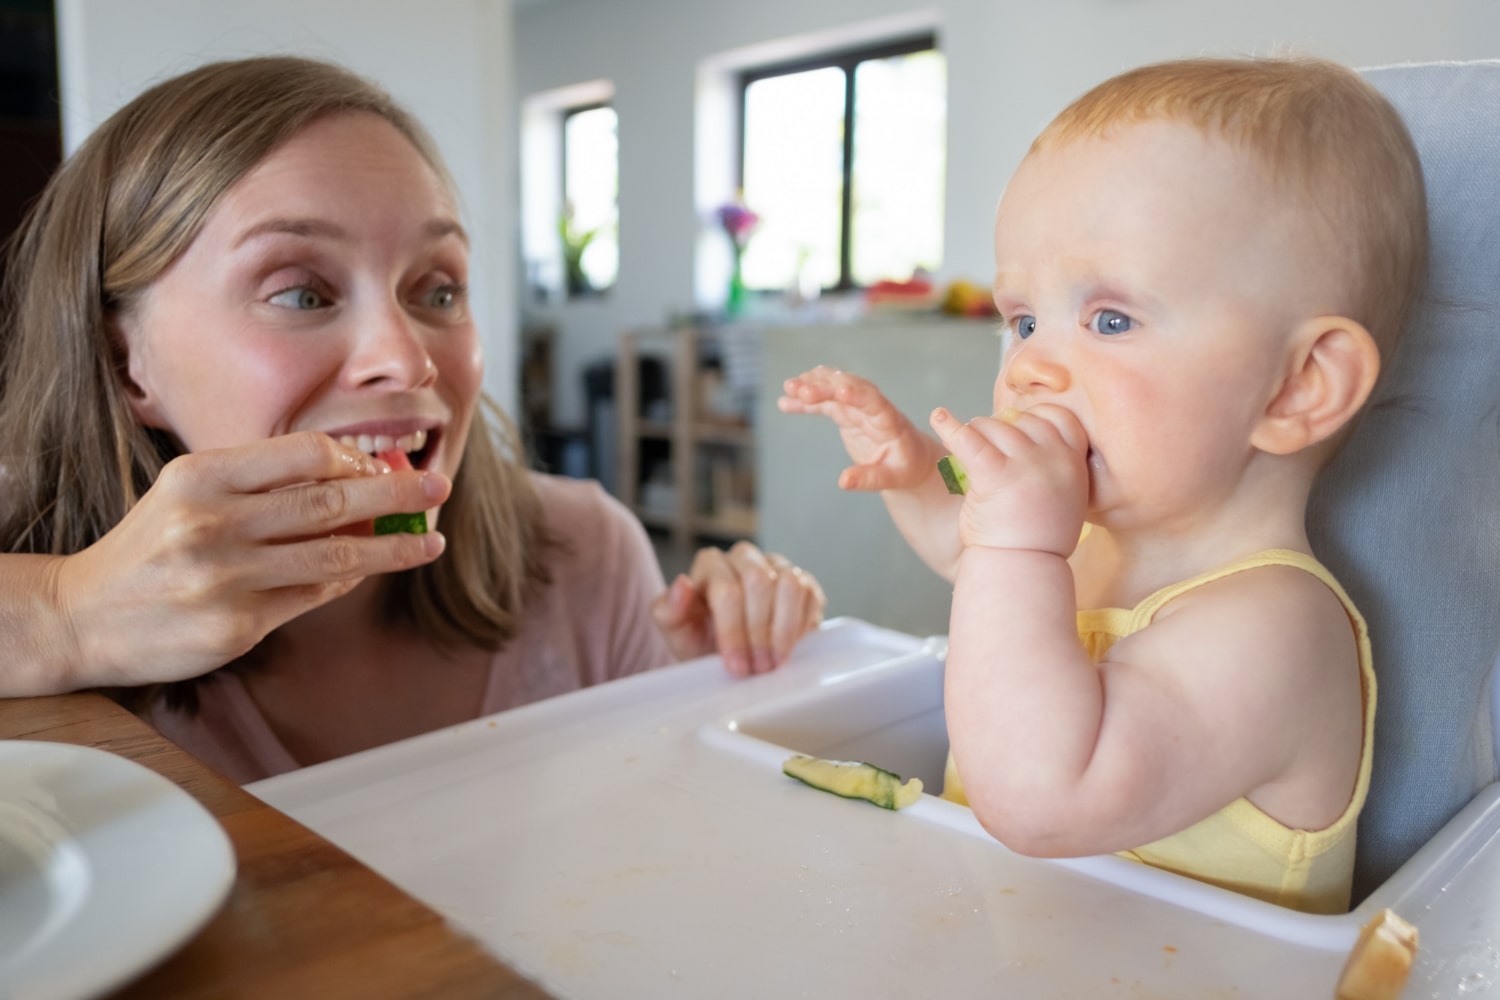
(1001, 397)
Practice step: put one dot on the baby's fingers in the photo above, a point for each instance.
(1058, 420)
(961, 439)
(869, 479)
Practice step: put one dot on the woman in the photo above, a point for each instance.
(246, 286)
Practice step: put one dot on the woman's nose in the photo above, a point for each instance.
(390, 350)
(1034, 366)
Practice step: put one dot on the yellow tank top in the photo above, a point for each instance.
(1239, 847)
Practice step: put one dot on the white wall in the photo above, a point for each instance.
(448, 61)
(1012, 64)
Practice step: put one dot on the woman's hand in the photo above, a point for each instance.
(889, 452)
(749, 606)
(226, 546)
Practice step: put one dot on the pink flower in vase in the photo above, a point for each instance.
(739, 222)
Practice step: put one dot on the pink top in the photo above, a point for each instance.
(591, 624)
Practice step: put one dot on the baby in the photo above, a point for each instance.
(1198, 267)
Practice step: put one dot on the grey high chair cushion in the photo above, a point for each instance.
(1408, 515)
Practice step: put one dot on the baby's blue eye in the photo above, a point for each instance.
(301, 297)
(1025, 326)
(1108, 321)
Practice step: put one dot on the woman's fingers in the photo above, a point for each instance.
(335, 558)
(757, 605)
(323, 487)
(275, 463)
(798, 607)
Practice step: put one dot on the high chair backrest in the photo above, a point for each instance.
(1408, 514)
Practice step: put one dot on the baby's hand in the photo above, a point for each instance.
(889, 452)
(1028, 478)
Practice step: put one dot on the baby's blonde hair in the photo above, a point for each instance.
(1324, 135)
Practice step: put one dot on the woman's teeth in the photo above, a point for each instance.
(372, 444)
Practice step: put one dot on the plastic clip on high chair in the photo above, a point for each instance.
(1408, 515)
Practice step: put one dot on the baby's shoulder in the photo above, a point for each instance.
(1279, 613)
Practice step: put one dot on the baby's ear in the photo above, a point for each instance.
(1332, 363)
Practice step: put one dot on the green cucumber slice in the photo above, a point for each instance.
(954, 476)
(396, 524)
(854, 780)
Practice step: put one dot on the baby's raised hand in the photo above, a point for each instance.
(1028, 478)
(889, 452)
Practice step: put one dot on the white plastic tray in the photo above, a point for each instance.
(638, 840)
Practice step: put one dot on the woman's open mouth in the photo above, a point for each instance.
(417, 445)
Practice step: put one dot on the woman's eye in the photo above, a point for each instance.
(301, 297)
(1108, 321)
(445, 297)
(1025, 326)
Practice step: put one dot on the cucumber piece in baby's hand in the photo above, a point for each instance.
(396, 524)
(954, 476)
(854, 780)
(952, 470)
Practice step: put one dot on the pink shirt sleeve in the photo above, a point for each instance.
(592, 623)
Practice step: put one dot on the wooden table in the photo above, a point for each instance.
(304, 918)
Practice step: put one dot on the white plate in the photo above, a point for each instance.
(105, 868)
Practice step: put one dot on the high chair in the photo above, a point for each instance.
(1408, 514)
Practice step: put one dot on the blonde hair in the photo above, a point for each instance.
(116, 215)
(1322, 133)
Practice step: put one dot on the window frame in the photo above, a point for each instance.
(847, 60)
(562, 186)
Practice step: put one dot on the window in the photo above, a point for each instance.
(842, 158)
(589, 226)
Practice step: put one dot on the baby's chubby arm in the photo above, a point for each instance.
(891, 456)
(1247, 686)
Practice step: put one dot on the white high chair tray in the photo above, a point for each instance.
(637, 839)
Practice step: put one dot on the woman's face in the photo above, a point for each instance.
(327, 292)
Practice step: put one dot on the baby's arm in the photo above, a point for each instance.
(1248, 686)
(891, 456)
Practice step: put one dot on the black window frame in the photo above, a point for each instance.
(847, 60)
(562, 166)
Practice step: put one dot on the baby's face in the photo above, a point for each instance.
(324, 292)
(1149, 281)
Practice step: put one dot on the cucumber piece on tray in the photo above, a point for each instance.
(854, 780)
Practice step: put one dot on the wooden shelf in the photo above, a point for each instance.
(655, 429)
(739, 435)
(691, 438)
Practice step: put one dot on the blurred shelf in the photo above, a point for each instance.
(699, 485)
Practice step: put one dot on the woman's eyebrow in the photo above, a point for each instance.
(293, 227)
(440, 228)
(435, 229)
